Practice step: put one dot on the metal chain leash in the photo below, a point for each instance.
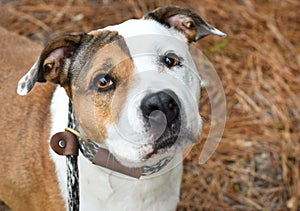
(72, 169)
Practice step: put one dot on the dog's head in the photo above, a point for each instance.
(134, 86)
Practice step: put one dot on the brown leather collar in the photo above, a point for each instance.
(66, 143)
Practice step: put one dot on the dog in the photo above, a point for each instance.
(134, 89)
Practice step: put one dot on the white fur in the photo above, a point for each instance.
(215, 31)
(137, 27)
(23, 87)
(59, 119)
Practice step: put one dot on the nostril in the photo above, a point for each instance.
(171, 105)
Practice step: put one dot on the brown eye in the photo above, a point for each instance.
(171, 60)
(105, 83)
(47, 67)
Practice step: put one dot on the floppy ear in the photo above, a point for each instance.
(52, 64)
(185, 20)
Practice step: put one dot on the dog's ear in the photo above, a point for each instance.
(52, 64)
(185, 20)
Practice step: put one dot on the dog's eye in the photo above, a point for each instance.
(47, 67)
(105, 83)
(171, 60)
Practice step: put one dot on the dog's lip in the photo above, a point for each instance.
(165, 142)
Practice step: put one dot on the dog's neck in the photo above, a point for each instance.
(100, 188)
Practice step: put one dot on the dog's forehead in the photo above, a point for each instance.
(140, 27)
(148, 39)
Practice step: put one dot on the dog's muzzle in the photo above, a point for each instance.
(70, 141)
(161, 112)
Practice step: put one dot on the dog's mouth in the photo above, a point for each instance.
(167, 141)
(164, 143)
(170, 144)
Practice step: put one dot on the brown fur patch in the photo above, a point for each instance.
(94, 109)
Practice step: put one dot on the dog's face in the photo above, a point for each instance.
(134, 86)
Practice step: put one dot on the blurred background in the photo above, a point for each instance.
(257, 164)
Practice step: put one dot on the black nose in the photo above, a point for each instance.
(165, 101)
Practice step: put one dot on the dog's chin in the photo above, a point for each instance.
(151, 154)
(171, 143)
(147, 151)
(170, 147)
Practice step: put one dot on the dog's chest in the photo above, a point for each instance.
(100, 190)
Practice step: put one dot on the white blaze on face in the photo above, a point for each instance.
(148, 42)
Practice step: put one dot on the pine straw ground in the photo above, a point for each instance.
(257, 164)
